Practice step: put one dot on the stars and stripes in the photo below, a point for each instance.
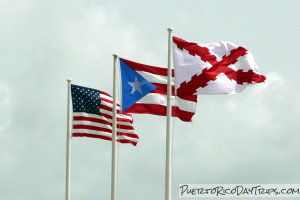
(92, 116)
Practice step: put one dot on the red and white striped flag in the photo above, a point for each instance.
(92, 116)
(137, 77)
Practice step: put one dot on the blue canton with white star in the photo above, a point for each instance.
(85, 99)
(134, 86)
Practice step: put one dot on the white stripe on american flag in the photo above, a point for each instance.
(93, 116)
(109, 104)
(104, 96)
(100, 125)
(120, 116)
(87, 127)
(119, 137)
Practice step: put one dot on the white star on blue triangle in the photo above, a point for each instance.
(134, 86)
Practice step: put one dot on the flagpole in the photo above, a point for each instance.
(68, 150)
(169, 137)
(114, 134)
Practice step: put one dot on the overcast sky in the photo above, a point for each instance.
(252, 137)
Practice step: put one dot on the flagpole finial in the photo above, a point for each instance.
(170, 29)
(69, 80)
(115, 55)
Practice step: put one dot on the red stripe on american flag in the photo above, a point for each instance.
(118, 119)
(95, 128)
(104, 93)
(128, 135)
(102, 137)
(109, 101)
(90, 119)
(100, 121)
(110, 109)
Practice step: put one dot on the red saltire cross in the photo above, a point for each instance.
(201, 80)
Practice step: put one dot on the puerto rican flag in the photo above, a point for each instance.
(213, 68)
(144, 91)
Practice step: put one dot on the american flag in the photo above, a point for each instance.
(156, 101)
(92, 116)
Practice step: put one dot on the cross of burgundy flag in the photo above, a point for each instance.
(213, 68)
(144, 91)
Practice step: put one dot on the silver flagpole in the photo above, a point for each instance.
(68, 150)
(169, 138)
(114, 134)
